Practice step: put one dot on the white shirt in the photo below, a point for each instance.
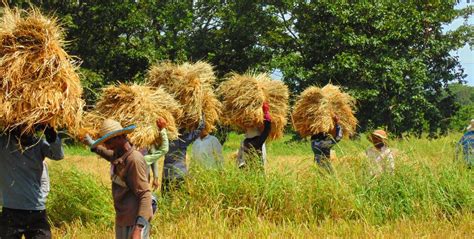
(207, 152)
(382, 160)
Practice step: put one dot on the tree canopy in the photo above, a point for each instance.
(394, 57)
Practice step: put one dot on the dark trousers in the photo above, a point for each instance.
(15, 223)
(324, 162)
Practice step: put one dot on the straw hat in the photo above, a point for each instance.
(111, 128)
(471, 126)
(379, 133)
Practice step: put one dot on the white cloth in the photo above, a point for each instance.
(207, 152)
(382, 160)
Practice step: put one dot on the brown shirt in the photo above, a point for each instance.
(132, 198)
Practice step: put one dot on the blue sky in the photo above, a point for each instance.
(466, 55)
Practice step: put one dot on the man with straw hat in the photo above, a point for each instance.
(321, 144)
(130, 188)
(174, 168)
(252, 153)
(380, 154)
(466, 144)
(24, 182)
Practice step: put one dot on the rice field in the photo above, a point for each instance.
(430, 196)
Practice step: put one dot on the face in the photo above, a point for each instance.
(378, 142)
(114, 143)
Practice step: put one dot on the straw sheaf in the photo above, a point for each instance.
(315, 108)
(191, 85)
(243, 97)
(139, 105)
(39, 83)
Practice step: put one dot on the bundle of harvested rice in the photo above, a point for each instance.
(315, 108)
(39, 83)
(139, 105)
(191, 85)
(243, 96)
(212, 111)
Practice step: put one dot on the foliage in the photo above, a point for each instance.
(394, 57)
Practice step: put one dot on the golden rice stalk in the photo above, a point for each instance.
(212, 109)
(243, 96)
(315, 108)
(139, 105)
(39, 83)
(191, 85)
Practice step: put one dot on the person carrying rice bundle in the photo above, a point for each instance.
(466, 145)
(154, 112)
(130, 189)
(258, 106)
(40, 91)
(380, 155)
(326, 114)
(191, 84)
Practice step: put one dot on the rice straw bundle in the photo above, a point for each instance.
(39, 83)
(139, 105)
(315, 108)
(243, 97)
(212, 111)
(191, 85)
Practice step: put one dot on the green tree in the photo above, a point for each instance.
(392, 56)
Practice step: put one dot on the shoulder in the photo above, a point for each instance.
(135, 158)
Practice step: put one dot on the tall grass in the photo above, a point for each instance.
(295, 197)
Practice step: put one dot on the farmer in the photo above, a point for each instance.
(322, 143)
(174, 168)
(151, 156)
(24, 182)
(251, 150)
(130, 188)
(380, 154)
(207, 151)
(466, 144)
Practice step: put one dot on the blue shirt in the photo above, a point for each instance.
(22, 174)
(467, 145)
(175, 160)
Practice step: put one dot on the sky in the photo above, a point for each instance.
(466, 55)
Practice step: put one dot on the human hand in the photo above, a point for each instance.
(88, 140)
(156, 183)
(137, 232)
(161, 123)
(266, 111)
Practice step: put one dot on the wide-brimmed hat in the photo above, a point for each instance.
(379, 133)
(471, 126)
(111, 128)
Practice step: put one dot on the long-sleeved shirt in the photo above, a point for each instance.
(175, 160)
(322, 143)
(130, 189)
(207, 152)
(382, 160)
(21, 172)
(156, 153)
(252, 147)
(467, 147)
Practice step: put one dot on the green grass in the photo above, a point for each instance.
(295, 197)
